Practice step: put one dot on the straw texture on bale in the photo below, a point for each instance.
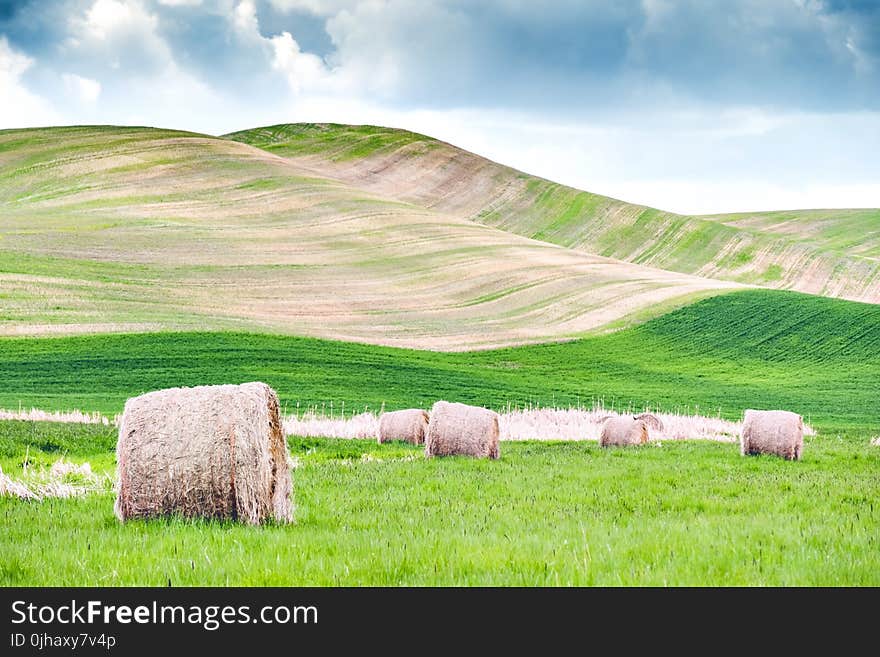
(461, 429)
(772, 432)
(208, 451)
(652, 421)
(623, 430)
(409, 425)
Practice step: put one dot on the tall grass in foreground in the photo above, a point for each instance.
(570, 513)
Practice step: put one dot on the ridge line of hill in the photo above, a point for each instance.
(833, 253)
(106, 229)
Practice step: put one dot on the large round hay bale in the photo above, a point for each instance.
(409, 425)
(652, 421)
(772, 432)
(461, 429)
(623, 430)
(208, 452)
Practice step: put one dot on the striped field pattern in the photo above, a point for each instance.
(832, 253)
(108, 229)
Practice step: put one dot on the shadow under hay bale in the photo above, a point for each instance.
(208, 452)
(461, 429)
(652, 421)
(780, 433)
(622, 431)
(409, 425)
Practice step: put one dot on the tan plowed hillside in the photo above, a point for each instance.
(123, 229)
(827, 252)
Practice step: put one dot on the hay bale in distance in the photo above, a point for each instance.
(652, 421)
(461, 429)
(623, 430)
(772, 432)
(208, 451)
(409, 425)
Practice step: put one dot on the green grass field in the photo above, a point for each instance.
(544, 514)
(683, 513)
(156, 259)
(335, 141)
(766, 349)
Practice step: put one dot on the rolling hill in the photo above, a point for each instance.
(833, 253)
(368, 234)
(145, 259)
(764, 348)
(108, 229)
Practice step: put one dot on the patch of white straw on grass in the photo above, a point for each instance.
(73, 417)
(529, 424)
(62, 480)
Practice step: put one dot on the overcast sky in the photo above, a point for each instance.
(688, 105)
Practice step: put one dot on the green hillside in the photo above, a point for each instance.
(110, 229)
(766, 349)
(832, 253)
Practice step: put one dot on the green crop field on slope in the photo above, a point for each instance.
(827, 252)
(765, 349)
(339, 142)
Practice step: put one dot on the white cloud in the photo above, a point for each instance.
(244, 19)
(108, 17)
(180, 3)
(20, 108)
(317, 7)
(397, 65)
(85, 90)
(304, 72)
(12, 63)
(133, 70)
(120, 33)
(365, 61)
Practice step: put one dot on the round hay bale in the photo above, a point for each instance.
(772, 432)
(207, 452)
(461, 429)
(409, 425)
(652, 421)
(623, 430)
